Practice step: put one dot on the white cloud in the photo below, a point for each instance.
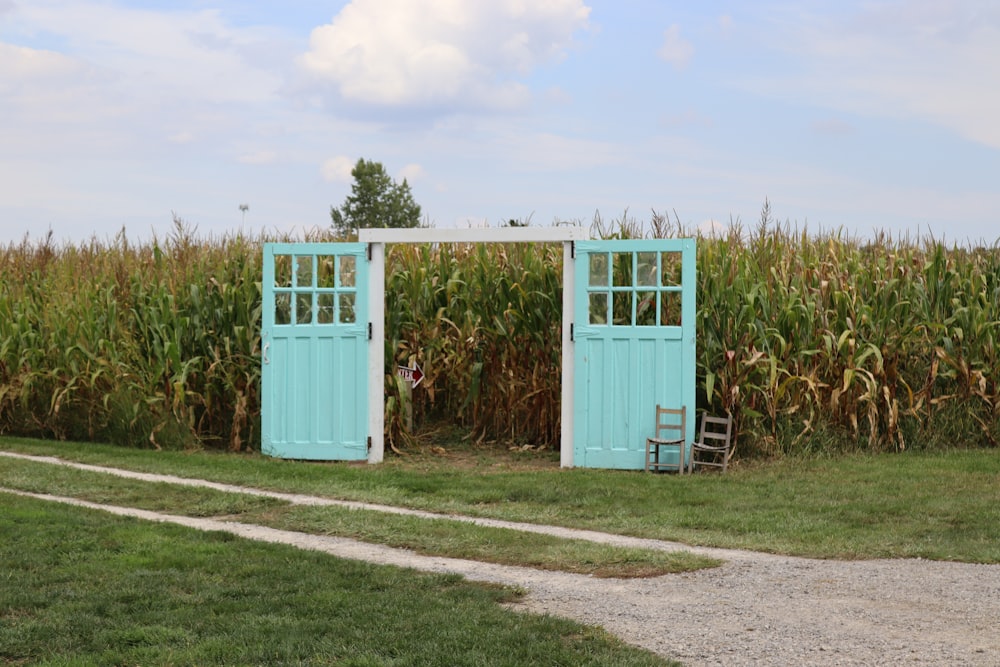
(712, 228)
(676, 50)
(543, 151)
(22, 64)
(114, 79)
(39, 85)
(337, 169)
(686, 118)
(167, 51)
(558, 96)
(832, 127)
(411, 172)
(441, 53)
(182, 137)
(726, 25)
(259, 157)
(938, 62)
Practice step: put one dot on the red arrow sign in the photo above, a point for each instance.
(414, 375)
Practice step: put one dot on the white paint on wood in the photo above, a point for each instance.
(376, 353)
(566, 391)
(474, 235)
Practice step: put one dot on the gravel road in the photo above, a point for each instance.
(756, 609)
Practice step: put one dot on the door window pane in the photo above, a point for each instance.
(646, 275)
(622, 267)
(670, 269)
(303, 307)
(304, 270)
(622, 314)
(348, 271)
(324, 308)
(347, 315)
(283, 307)
(645, 309)
(326, 269)
(599, 269)
(282, 270)
(599, 308)
(670, 309)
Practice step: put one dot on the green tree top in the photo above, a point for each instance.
(375, 201)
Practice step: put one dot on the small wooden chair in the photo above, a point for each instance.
(715, 442)
(671, 427)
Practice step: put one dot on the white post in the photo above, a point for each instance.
(566, 434)
(376, 353)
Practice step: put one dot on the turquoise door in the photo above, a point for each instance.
(314, 351)
(634, 346)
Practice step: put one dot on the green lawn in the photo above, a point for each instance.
(929, 505)
(438, 537)
(81, 587)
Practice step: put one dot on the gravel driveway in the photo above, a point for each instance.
(757, 609)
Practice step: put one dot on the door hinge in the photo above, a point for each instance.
(369, 443)
(571, 332)
(368, 251)
(572, 249)
(369, 331)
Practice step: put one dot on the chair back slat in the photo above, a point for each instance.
(670, 419)
(714, 440)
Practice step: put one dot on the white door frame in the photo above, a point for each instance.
(377, 238)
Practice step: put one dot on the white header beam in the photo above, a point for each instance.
(474, 235)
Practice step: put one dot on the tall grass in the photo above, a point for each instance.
(884, 344)
(484, 322)
(154, 344)
(813, 341)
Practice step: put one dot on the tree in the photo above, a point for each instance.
(375, 201)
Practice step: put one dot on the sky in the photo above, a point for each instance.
(244, 116)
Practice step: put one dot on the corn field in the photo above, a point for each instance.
(151, 345)
(484, 322)
(813, 342)
(882, 345)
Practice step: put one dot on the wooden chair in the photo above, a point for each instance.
(715, 442)
(671, 427)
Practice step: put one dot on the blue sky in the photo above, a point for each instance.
(859, 116)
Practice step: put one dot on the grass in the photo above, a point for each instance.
(106, 489)
(80, 587)
(941, 506)
(440, 537)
